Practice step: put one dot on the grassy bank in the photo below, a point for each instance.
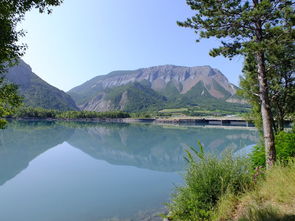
(237, 188)
(272, 198)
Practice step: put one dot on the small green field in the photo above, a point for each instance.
(174, 110)
(199, 111)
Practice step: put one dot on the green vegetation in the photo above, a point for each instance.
(272, 199)
(140, 98)
(154, 94)
(285, 149)
(12, 12)
(91, 88)
(261, 29)
(174, 110)
(207, 180)
(135, 97)
(9, 100)
(40, 113)
(144, 115)
(91, 114)
(35, 91)
(210, 110)
(217, 109)
(238, 188)
(171, 90)
(281, 66)
(30, 112)
(198, 100)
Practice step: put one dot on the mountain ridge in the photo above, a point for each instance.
(144, 89)
(175, 83)
(36, 91)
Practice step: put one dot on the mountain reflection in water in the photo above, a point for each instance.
(148, 146)
(57, 171)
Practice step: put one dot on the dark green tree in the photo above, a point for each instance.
(247, 27)
(9, 100)
(280, 63)
(11, 13)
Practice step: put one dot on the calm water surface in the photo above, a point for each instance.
(65, 171)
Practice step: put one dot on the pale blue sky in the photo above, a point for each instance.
(83, 39)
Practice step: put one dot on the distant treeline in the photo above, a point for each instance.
(41, 113)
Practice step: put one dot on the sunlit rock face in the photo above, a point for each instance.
(167, 83)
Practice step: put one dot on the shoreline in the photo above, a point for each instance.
(177, 122)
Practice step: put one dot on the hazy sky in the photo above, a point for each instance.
(83, 39)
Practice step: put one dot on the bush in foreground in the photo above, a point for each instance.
(285, 149)
(208, 179)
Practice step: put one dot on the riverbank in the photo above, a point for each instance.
(266, 201)
(197, 121)
(238, 188)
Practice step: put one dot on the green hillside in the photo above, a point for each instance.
(36, 92)
(138, 97)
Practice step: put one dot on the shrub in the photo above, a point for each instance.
(207, 180)
(285, 148)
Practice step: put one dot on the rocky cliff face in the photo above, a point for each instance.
(36, 92)
(172, 84)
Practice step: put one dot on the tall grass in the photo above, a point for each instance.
(279, 184)
(255, 213)
(272, 199)
(228, 188)
(207, 179)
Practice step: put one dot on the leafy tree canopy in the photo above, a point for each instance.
(11, 13)
(280, 63)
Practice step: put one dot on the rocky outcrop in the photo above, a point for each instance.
(167, 80)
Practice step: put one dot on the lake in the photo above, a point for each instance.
(66, 171)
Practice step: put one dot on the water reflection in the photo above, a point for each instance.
(147, 146)
(24, 141)
(154, 147)
(56, 171)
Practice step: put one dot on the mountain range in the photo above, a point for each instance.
(154, 88)
(36, 92)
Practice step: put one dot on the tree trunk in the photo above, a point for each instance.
(270, 151)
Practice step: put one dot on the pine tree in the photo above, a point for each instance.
(280, 66)
(247, 27)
